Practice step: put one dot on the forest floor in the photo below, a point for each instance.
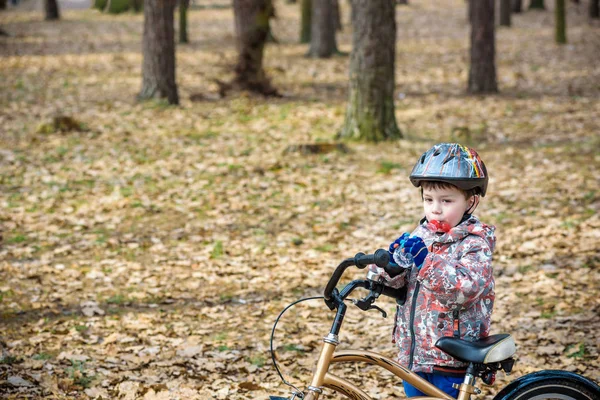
(147, 252)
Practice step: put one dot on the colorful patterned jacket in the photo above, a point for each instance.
(455, 281)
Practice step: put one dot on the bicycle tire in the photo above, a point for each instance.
(555, 389)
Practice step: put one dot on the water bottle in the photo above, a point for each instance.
(404, 260)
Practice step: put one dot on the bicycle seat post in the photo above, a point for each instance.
(467, 388)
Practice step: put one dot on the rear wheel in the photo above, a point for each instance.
(559, 389)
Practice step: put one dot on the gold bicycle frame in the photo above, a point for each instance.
(322, 378)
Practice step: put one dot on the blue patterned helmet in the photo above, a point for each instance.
(451, 163)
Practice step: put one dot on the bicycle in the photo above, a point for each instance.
(485, 357)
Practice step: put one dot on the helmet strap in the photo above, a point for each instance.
(473, 206)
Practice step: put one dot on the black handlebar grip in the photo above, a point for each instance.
(393, 270)
(381, 258)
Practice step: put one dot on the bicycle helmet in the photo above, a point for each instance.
(451, 163)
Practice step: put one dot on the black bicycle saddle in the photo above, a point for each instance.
(492, 349)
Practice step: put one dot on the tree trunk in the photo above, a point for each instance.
(482, 73)
(561, 23)
(52, 11)
(158, 49)
(138, 5)
(470, 11)
(505, 9)
(517, 6)
(537, 4)
(322, 33)
(370, 111)
(183, 9)
(252, 30)
(594, 9)
(2, 4)
(337, 16)
(306, 12)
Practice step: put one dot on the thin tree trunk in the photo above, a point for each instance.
(183, 31)
(52, 12)
(322, 34)
(517, 6)
(370, 111)
(482, 73)
(594, 9)
(537, 4)
(158, 49)
(337, 17)
(505, 10)
(470, 11)
(306, 14)
(252, 30)
(560, 22)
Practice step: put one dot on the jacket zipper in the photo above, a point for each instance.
(412, 328)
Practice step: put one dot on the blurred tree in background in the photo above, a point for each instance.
(595, 9)
(52, 11)
(482, 72)
(252, 29)
(505, 11)
(305, 20)
(537, 4)
(158, 49)
(370, 110)
(323, 27)
(183, 18)
(560, 22)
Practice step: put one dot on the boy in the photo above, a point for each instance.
(450, 286)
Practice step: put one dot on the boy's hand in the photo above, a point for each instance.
(397, 243)
(415, 246)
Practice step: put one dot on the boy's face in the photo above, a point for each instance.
(445, 204)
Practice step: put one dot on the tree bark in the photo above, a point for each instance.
(337, 16)
(560, 22)
(594, 9)
(322, 33)
(52, 11)
(517, 6)
(470, 11)
(505, 10)
(370, 113)
(482, 72)
(158, 49)
(183, 31)
(252, 30)
(3, 4)
(537, 4)
(306, 15)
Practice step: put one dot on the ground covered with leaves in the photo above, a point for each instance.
(148, 249)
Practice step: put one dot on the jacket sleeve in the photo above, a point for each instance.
(459, 282)
(378, 274)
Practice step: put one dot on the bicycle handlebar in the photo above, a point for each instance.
(381, 258)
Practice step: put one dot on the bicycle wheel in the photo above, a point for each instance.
(553, 389)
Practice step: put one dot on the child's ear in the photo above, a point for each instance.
(472, 203)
